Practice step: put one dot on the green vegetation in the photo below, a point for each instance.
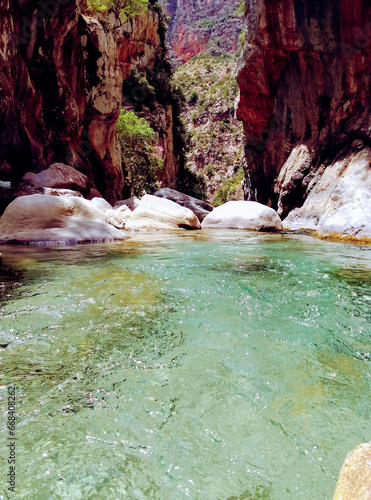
(140, 159)
(215, 136)
(205, 23)
(122, 9)
(227, 191)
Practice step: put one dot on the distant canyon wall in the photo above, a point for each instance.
(196, 25)
(304, 77)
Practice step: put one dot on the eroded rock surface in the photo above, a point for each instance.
(304, 77)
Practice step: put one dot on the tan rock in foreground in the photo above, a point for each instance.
(354, 481)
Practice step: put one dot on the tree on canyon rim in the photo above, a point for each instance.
(122, 9)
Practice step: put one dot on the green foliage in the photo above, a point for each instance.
(240, 11)
(122, 9)
(205, 23)
(192, 97)
(227, 190)
(140, 161)
(241, 39)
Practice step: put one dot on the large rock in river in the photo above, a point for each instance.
(243, 215)
(199, 207)
(55, 219)
(354, 481)
(59, 176)
(158, 213)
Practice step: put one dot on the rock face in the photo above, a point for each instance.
(155, 213)
(60, 85)
(243, 215)
(61, 90)
(198, 207)
(304, 77)
(355, 476)
(340, 201)
(54, 219)
(195, 26)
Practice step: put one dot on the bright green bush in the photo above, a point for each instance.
(122, 9)
(227, 190)
(140, 159)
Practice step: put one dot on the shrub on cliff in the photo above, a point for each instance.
(122, 9)
(141, 160)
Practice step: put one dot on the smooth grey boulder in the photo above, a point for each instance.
(199, 207)
(243, 215)
(354, 481)
(55, 219)
(155, 213)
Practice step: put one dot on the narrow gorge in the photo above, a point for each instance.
(185, 249)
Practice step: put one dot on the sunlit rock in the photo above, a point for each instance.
(158, 213)
(354, 481)
(243, 215)
(198, 207)
(55, 219)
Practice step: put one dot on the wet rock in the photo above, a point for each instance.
(198, 207)
(354, 481)
(55, 219)
(243, 215)
(155, 213)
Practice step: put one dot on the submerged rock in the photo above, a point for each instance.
(53, 219)
(243, 215)
(354, 481)
(340, 202)
(158, 213)
(198, 207)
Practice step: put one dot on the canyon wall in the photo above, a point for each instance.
(304, 78)
(200, 24)
(61, 85)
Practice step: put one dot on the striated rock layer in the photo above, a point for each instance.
(304, 77)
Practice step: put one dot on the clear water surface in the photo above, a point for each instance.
(199, 365)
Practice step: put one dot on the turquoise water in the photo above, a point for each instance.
(202, 365)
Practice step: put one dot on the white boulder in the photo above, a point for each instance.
(243, 215)
(54, 219)
(154, 213)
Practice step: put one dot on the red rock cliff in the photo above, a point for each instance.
(304, 77)
(61, 88)
(196, 25)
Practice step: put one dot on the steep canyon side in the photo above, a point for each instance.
(198, 25)
(304, 78)
(61, 84)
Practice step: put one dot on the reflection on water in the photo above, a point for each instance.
(202, 365)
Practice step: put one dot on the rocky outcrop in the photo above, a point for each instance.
(60, 85)
(195, 27)
(243, 215)
(155, 213)
(198, 207)
(340, 201)
(354, 481)
(304, 78)
(40, 219)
